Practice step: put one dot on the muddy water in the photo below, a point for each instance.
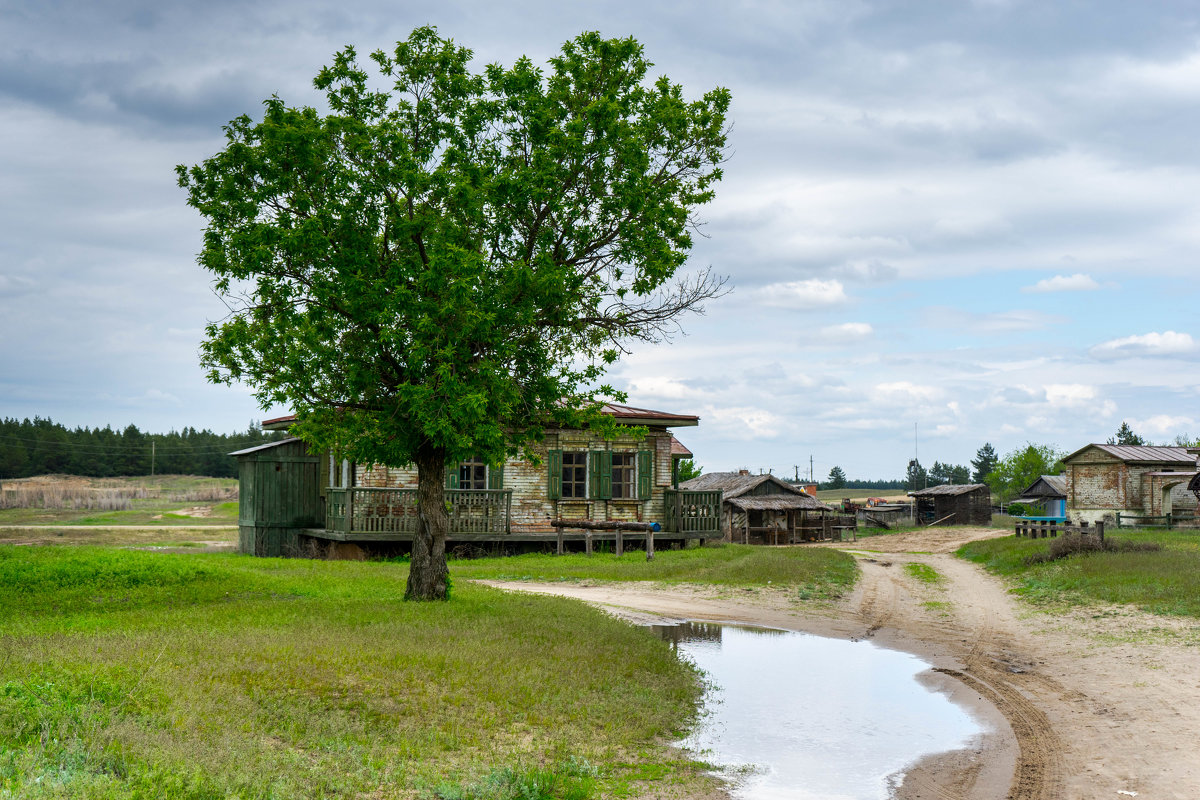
(797, 716)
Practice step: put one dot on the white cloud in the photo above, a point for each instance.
(1164, 425)
(987, 322)
(845, 333)
(1165, 344)
(1070, 395)
(743, 421)
(804, 295)
(1078, 282)
(660, 387)
(907, 393)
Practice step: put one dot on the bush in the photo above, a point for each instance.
(1072, 543)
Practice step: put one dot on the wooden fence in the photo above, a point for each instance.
(368, 510)
(1043, 528)
(692, 512)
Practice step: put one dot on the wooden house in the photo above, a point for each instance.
(764, 509)
(1050, 492)
(967, 504)
(1105, 482)
(581, 477)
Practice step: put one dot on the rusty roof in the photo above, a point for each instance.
(1142, 454)
(778, 502)
(949, 489)
(637, 416)
(678, 450)
(266, 446)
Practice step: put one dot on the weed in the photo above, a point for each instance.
(924, 573)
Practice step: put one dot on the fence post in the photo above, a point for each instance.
(1099, 529)
(650, 545)
(559, 537)
(587, 536)
(620, 543)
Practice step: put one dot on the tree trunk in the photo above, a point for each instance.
(428, 576)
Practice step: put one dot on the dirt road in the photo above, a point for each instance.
(1081, 703)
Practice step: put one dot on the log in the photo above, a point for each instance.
(591, 525)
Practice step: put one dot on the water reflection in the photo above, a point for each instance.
(799, 716)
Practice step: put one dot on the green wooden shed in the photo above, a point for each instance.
(279, 497)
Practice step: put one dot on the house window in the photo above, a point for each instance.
(472, 474)
(574, 474)
(624, 479)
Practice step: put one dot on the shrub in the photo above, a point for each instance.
(1072, 543)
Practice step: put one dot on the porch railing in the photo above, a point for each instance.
(368, 510)
(692, 512)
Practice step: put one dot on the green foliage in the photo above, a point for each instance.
(984, 462)
(1020, 468)
(686, 469)
(568, 780)
(1166, 581)
(916, 477)
(128, 674)
(449, 264)
(941, 473)
(836, 480)
(1126, 436)
(43, 447)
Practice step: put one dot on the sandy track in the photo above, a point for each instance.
(1082, 703)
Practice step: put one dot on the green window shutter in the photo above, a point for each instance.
(645, 473)
(496, 477)
(554, 474)
(600, 474)
(452, 476)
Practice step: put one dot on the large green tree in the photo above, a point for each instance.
(836, 479)
(442, 266)
(1019, 469)
(1126, 436)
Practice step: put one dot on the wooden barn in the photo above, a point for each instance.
(1130, 484)
(294, 499)
(969, 504)
(762, 509)
(1050, 492)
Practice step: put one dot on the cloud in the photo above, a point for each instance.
(15, 285)
(1064, 283)
(1164, 425)
(845, 333)
(906, 393)
(1168, 344)
(1014, 321)
(804, 295)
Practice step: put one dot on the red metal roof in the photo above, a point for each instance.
(678, 450)
(636, 415)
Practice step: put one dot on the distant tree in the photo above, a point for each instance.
(444, 267)
(984, 462)
(960, 475)
(941, 473)
(916, 477)
(687, 469)
(836, 480)
(1125, 435)
(1020, 468)
(1185, 440)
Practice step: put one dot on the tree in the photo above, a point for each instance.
(686, 469)
(1020, 468)
(837, 479)
(984, 462)
(1125, 435)
(941, 473)
(442, 269)
(916, 477)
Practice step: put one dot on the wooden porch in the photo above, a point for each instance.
(480, 516)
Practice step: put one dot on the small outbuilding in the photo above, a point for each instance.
(1141, 483)
(1049, 491)
(968, 504)
(762, 509)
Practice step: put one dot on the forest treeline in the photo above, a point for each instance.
(41, 446)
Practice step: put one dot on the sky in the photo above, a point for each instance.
(944, 223)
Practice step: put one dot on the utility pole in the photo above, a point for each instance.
(797, 468)
(810, 468)
(153, 444)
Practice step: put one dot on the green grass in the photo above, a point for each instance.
(127, 674)
(924, 573)
(1162, 582)
(814, 572)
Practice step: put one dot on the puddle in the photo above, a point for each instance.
(797, 716)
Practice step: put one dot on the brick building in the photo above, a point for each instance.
(1103, 479)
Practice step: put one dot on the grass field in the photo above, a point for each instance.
(162, 500)
(1162, 582)
(126, 674)
(814, 573)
